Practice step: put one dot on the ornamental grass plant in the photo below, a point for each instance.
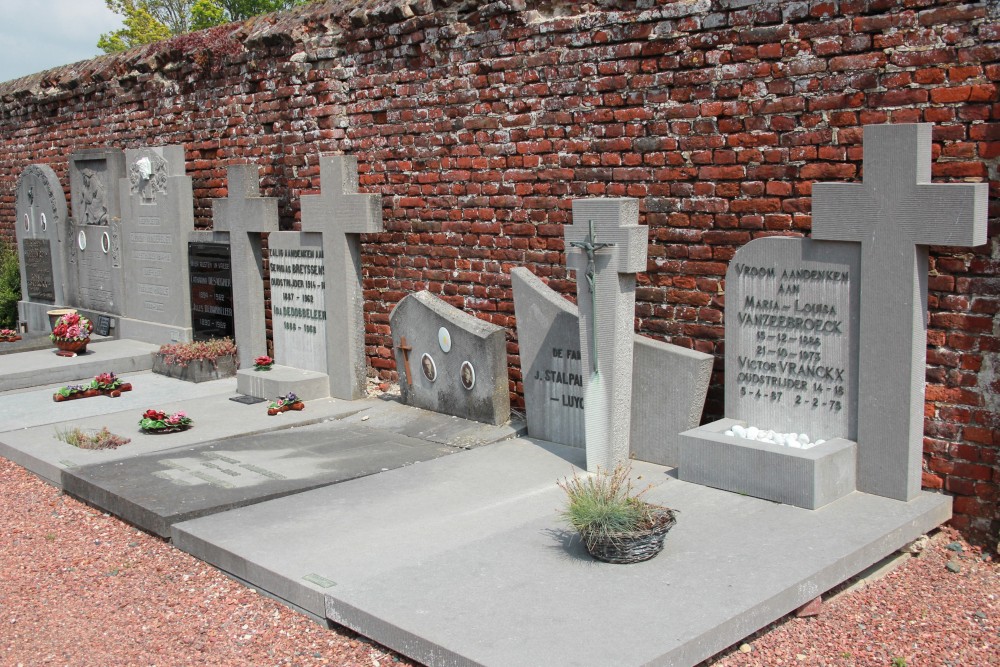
(88, 439)
(603, 506)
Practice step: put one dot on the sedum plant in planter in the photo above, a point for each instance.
(197, 361)
(616, 525)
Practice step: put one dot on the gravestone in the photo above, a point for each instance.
(157, 218)
(40, 227)
(298, 304)
(95, 277)
(341, 214)
(449, 361)
(244, 214)
(606, 247)
(895, 213)
(669, 383)
(211, 275)
(889, 217)
(791, 367)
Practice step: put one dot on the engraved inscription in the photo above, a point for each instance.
(562, 385)
(211, 281)
(38, 269)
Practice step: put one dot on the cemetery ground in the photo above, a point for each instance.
(83, 588)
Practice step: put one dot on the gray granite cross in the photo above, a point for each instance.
(245, 215)
(895, 213)
(341, 215)
(606, 299)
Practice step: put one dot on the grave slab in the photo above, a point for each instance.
(158, 490)
(28, 342)
(450, 361)
(43, 367)
(466, 561)
(669, 382)
(280, 380)
(37, 449)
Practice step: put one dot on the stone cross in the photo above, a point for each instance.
(895, 213)
(341, 215)
(406, 348)
(245, 215)
(608, 247)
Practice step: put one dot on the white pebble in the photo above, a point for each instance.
(803, 438)
(730, 432)
(740, 431)
(752, 432)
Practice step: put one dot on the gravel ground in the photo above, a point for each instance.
(81, 588)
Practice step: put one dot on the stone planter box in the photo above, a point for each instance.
(196, 371)
(809, 478)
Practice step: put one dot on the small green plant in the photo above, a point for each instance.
(10, 285)
(183, 354)
(102, 439)
(899, 661)
(603, 505)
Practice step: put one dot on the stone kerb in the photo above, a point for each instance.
(157, 220)
(450, 361)
(40, 230)
(95, 277)
(791, 367)
(669, 383)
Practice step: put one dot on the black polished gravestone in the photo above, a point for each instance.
(211, 276)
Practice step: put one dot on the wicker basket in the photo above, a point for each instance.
(633, 547)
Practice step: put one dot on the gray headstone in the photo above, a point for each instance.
(40, 226)
(210, 271)
(606, 247)
(94, 242)
(298, 302)
(340, 214)
(895, 213)
(157, 219)
(245, 215)
(792, 336)
(449, 361)
(669, 383)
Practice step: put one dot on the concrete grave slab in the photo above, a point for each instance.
(895, 214)
(41, 221)
(158, 490)
(95, 279)
(608, 247)
(43, 367)
(669, 382)
(28, 342)
(466, 561)
(157, 218)
(215, 417)
(450, 361)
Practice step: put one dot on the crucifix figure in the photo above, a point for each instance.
(342, 214)
(606, 339)
(895, 213)
(590, 245)
(245, 214)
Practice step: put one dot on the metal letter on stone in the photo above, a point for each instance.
(606, 340)
(895, 213)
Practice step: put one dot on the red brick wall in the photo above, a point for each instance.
(479, 128)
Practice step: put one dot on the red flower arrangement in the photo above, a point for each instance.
(72, 327)
(263, 363)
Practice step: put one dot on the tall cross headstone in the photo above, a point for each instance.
(245, 215)
(341, 215)
(895, 213)
(606, 248)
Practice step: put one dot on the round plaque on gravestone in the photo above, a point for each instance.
(444, 340)
(429, 368)
(468, 375)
